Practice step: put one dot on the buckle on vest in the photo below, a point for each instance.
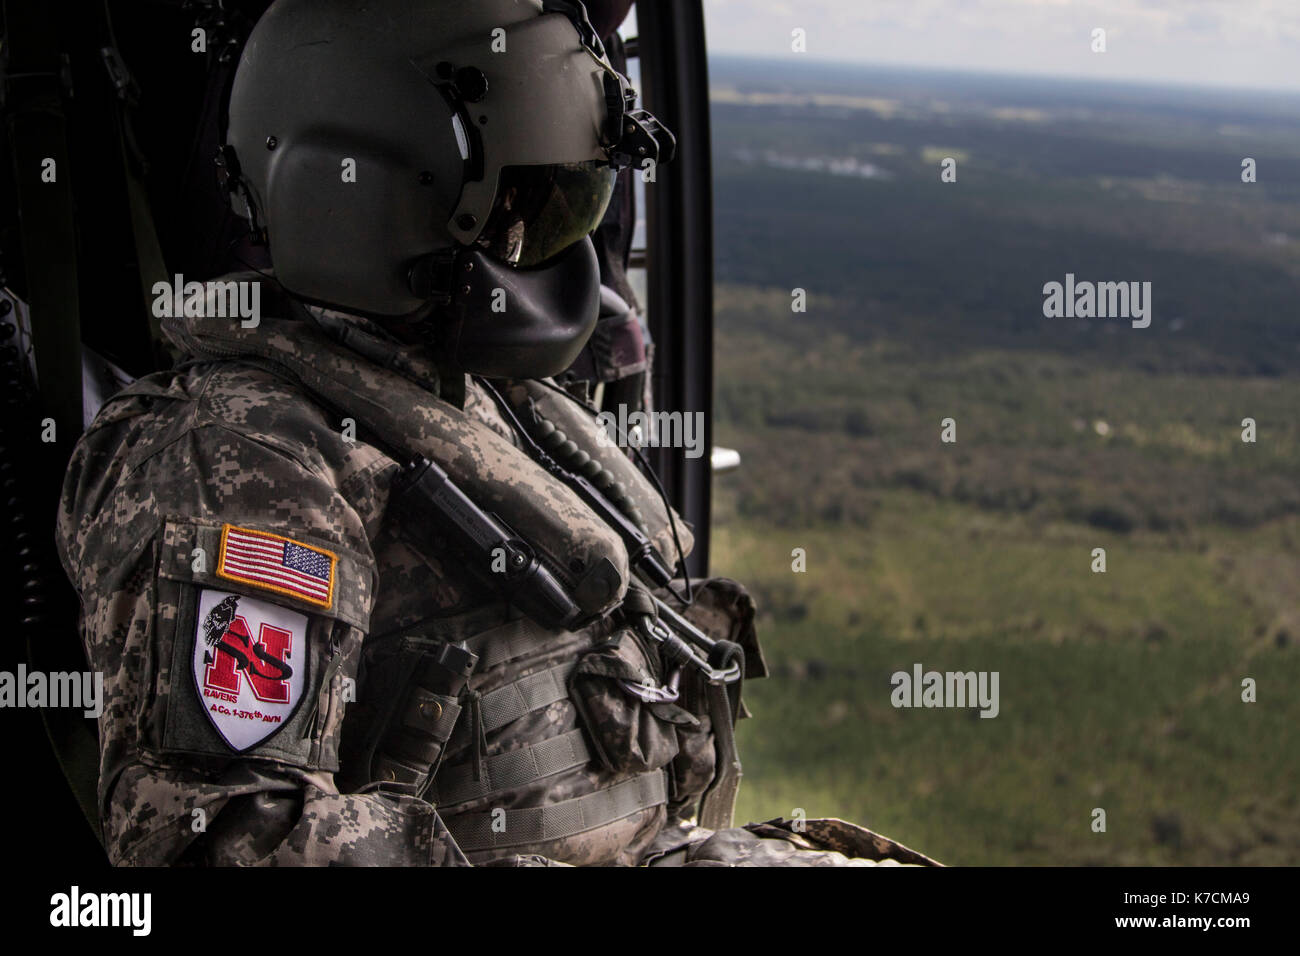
(651, 694)
(679, 652)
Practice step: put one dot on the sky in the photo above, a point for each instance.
(1229, 43)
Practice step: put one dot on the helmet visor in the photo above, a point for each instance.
(540, 211)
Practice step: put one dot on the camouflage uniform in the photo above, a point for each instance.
(537, 762)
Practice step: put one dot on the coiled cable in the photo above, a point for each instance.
(565, 451)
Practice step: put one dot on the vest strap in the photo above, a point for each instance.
(555, 821)
(511, 770)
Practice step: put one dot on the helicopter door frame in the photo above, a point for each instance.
(679, 249)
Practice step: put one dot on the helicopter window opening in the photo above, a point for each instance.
(627, 29)
(636, 264)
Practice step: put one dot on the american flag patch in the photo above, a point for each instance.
(277, 563)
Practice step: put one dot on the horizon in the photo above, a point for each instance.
(1112, 82)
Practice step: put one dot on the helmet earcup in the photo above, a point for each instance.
(372, 219)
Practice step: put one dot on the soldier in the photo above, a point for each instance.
(365, 587)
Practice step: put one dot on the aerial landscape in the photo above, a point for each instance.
(922, 302)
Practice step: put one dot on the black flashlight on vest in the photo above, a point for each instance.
(446, 520)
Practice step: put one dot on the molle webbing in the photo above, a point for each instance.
(514, 700)
(555, 821)
(510, 640)
(511, 770)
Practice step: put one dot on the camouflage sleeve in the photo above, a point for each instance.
(225, 590)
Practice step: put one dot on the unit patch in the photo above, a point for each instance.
(250, 665)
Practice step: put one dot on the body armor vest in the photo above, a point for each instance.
(577, 745)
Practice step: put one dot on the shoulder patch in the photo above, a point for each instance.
(250, 665)
(277, 563)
